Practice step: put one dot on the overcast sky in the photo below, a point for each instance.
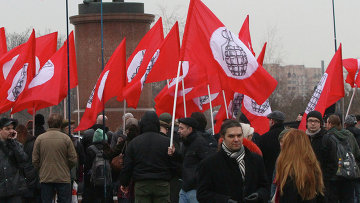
(302, 31)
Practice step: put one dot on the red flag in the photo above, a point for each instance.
(45, 48)
(261, 56)
(3, 45)
(20, 75)
(107, 86)
(244, 35)
(142, 59)
(329, 90)
(167, 63)
(52, 79)
(352, 66)
(256, 114)
(207, 43)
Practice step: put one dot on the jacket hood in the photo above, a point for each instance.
(149, 122)
(340, 134)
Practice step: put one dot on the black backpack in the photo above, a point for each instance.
(347, 166)
(100, 169)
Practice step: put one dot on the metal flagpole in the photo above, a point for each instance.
(78, 105)
(183, 92)
(226, 107)
(65, 108)
(211, 111)
(68, 65)
(174, 107)
(33, 124)
(124, 117)
(351, 100)
(102, 68)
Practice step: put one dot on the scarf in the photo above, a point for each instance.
(238, 156)
(312, 134)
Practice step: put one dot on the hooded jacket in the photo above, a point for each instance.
(331, 162)
(146, 157)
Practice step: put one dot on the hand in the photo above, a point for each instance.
(123, 189)
(171, 150)
(254, 197)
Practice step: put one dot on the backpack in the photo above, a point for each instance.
(100, 169)
(347, 167)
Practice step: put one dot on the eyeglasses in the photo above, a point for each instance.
(313, 121)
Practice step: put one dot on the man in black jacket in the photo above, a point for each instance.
(12, 157)
(269, 142)
(194, 149)
(234, 174)
(147, 163)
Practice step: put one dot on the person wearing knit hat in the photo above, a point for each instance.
(195, 150)
(248, 131)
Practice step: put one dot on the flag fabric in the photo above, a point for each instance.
(329, 90)
(141, 60)
(52, 79)
(261, 56)
(107, 86)
(3, 45)
(208, 43)
(167, 63)
(21, 71)
(244, 35)
(256, 114)
(45, 48)
(352, 66)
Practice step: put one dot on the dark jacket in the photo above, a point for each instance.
(91, 154)
(146, 156)
(290, 194)
(12, 159)
(219, 178)
(356, 132)
(318, 147)
(270, 147)
(193, 150)
(330, 151)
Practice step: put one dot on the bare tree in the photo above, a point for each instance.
(274, 49)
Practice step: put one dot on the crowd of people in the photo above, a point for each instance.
(137, 164)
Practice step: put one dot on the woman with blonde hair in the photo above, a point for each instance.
(298, 173)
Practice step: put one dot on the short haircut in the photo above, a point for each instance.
(201, 119)
(335, 121)
(228, 124)
(55, 121)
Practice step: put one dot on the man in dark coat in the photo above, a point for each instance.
(194, 149)
(234, 174)
(12, 157)
(269, 142)
(350, 122)
(147, 163)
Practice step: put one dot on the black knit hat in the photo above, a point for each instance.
(189, 122)
(315, 114)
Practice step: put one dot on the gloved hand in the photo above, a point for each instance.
(254, 197)
(232, 201)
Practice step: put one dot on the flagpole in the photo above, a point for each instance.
(65, 108)
(211, 111)
(11, 115)
(68, 65)
(351, 100)
(183, 92)
(124, 123)
(102, 68)
(78, 106)
(174, 107)
(33, 124)
(226, 109)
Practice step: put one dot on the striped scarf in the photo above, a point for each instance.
(239, 156)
